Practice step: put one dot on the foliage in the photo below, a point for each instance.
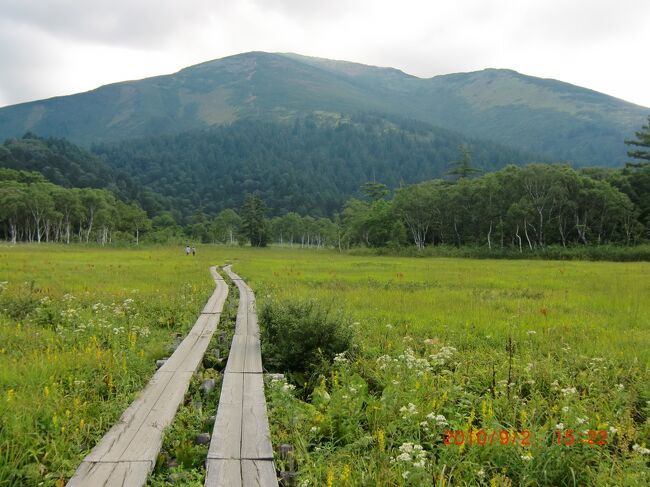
(434, 338)
(643, 141)
(80, 332)
(254, 226)
(541, 116)
(302, 336)
(34, 210)
(310, 166)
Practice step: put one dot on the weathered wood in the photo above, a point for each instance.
(245, 473)
(128, 451)
(240, 453)
(111, 474)
(245, 355)
(256, 436)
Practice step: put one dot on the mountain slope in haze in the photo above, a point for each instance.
(562, 121)
(311, 165)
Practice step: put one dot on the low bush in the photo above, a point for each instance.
(302, 337)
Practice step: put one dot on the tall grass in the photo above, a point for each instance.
(516, 345)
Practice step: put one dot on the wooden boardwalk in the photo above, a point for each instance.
(127, 453)
(240, 452)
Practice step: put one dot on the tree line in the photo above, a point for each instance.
(33, 209)
(522, 208)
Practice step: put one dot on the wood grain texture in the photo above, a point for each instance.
(240, 452)
(128, 451)
(111, 474)
(233, 473)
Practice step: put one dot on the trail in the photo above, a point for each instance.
(127, 453)
(240, 453)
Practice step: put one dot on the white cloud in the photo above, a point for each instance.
(66, 46)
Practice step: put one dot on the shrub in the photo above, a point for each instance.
(302, 336)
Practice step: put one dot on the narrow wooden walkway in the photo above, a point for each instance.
(127, 453)
(240, 452)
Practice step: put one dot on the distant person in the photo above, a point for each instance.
(187, 250)
(193, 250)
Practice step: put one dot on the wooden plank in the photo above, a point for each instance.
(216, 301)
(256, 436)
(240, 452)
(232, 389)
(135, 440)
(258, 473)
(119, 474)
(227, 433)
(253, 361)
(245, 355)
(184, 349)
(237, 354)
(120, 435)
(253, 389)
(223, 473)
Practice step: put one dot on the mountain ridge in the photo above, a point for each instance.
(545, 116)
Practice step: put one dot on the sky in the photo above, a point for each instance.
(59, 47)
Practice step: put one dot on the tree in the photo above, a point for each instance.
(418, 207)
(226, 225)
(642, 140)
(462, 168)
(374, 191)
(12, 204)
(254, 224)
(133, 219)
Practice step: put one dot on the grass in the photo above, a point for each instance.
(80, 331)
(459, 344)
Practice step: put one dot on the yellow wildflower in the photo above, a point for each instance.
(10, 395)
(380, 440)
(345, 475)
(330, 477)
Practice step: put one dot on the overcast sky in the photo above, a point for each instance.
(59, 47)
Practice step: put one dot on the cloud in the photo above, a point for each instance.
(63, 46)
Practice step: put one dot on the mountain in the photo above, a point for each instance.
(548, 117)
(311, 165)
(65, 164)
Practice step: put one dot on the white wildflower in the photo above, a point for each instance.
(340, 358)
(641, 450)
(404, 457)
(409, 410)
(559, 426)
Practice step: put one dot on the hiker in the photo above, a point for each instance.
(187, 250)
(193, 250)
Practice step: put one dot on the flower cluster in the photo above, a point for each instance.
(411, 453)
(443, 355)
(408, 411)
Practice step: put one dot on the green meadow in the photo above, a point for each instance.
(554, 352)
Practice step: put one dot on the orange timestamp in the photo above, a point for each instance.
(505, 437)
(588, 437)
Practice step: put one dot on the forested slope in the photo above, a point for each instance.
(310, 166)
